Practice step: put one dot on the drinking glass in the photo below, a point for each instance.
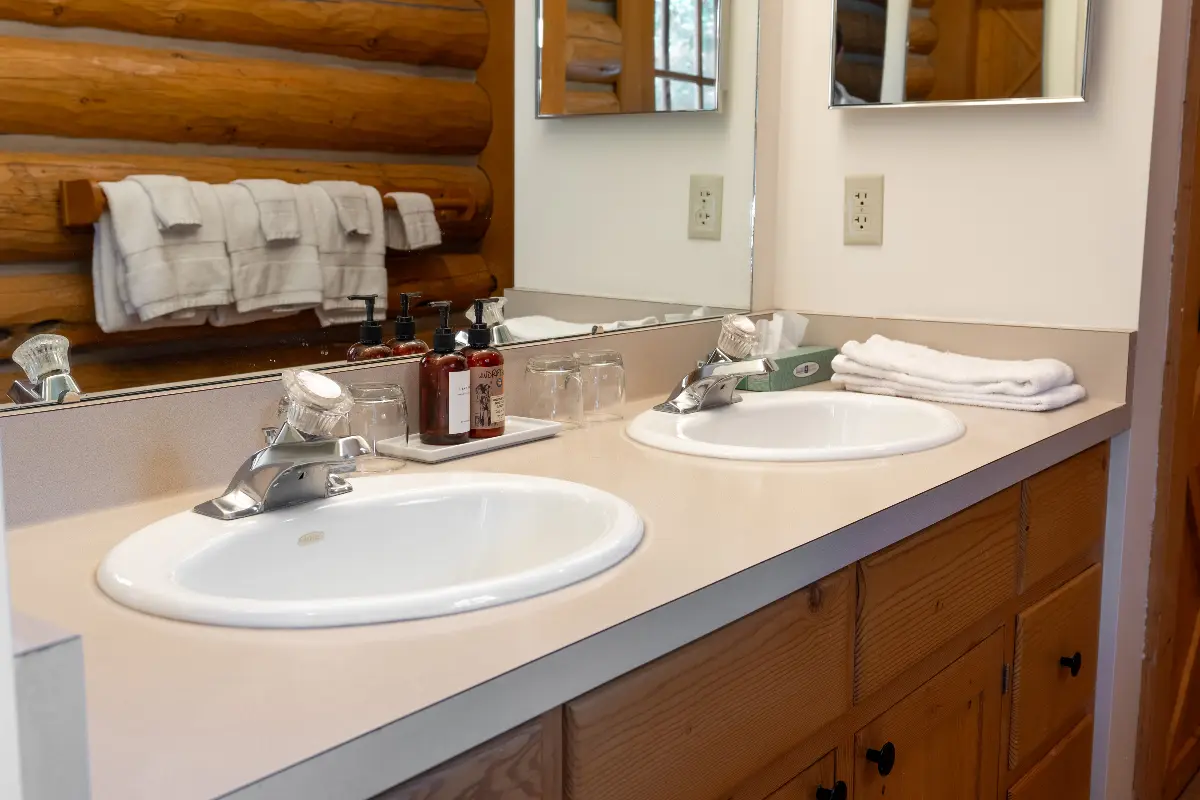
(603, 375)
(380, 412)
(554, 390)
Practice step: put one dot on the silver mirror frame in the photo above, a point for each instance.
(1015, 101)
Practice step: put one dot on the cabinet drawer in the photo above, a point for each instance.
(523, 764)
(1047, 697)
(919, 594)
(821, 775)
(942, 742)
(1064, 774)
(698, 722)
(1065, 509)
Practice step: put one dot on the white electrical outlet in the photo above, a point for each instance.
(704, 207)
(864, 209)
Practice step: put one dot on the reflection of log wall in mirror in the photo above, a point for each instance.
(987, 49)
(353, 114)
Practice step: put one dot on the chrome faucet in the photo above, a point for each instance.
(713, 385)
(47, 372)
(302, 462)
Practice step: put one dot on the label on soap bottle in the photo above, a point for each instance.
(460, 402)
(487, 398)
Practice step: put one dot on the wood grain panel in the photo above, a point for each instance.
(553, 74)
(513, 766)
(1064, 774)
(451, 33)
(593, 61)
(31, 230)
(696, 723)
(591, 103)
(496, 160)
(1065, 513)
(822, 775)
(920, 593)
(946, 735)
(1046, 697)
(635, 87)
(63, 303)
(109, 92)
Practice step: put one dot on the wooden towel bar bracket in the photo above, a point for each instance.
(83, 202)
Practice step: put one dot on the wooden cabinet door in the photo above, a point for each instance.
(1064, 774)
(943, 740)
(821, 775)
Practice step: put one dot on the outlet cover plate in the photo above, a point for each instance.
(864, 210)
(706, 201)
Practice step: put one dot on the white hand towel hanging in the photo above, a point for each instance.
(284, 277)
(887, 359)
(413, 224)
(351, 263)
(173, 200)
(171, 272)
(278, 211)
(354, 206)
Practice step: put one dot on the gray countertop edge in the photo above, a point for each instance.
(387, 756)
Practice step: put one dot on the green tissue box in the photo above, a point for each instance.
(798, 367)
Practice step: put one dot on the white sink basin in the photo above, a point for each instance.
(802, 426)
(397, 547)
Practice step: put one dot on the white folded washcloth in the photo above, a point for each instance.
(107, 267)
(1048, 400)
(413, 224)
(353, 203)
(172, 198)
(168, 272)
(284, 276)
(278, 211)
(351, 263)
(921, 367)
(229, 316)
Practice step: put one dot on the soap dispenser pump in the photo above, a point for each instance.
(370, 334)
(445, 383)
(406, 342)
(486, 364)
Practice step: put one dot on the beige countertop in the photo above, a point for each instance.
(187, 711)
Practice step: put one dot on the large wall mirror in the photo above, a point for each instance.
(628, 56)
(579, 227)
(899, 52)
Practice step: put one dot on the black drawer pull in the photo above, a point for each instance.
(884, 757)
(1073, 663)
(838, 792)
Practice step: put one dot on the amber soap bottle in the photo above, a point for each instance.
(406, 342)
(487, 378)
(445, 388)
(370, 335)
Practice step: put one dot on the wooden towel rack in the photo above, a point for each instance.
(83, 202)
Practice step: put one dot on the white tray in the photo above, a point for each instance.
(517, 430)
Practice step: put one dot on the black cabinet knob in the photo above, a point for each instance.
(1073, 663)
(884, 758)
(838, 792)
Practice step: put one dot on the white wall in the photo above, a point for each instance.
(602, 202)
(1032, 214)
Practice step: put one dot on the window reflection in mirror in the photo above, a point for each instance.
(894, 52)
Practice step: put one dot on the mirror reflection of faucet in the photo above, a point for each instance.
(48, 371)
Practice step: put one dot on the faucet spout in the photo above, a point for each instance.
(713, 385)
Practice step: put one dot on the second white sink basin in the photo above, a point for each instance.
(397, 547)
(802, 426)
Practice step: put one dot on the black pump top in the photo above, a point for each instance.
(406, 326)
(480, 335)
(443, 337)
(371, 332)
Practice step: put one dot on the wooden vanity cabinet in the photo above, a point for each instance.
(942, 668)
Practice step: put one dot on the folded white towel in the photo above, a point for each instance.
(1048, 400)
(172, 198)
(353, 203)
(278, 211)
(168, 272)
(283, 276)
(351, 263)
(229, 316)
(107, 267)
(880, 357)
(528, 329)
(413, 224)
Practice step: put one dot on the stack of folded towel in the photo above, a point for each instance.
(900, 369)
(173, 252)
